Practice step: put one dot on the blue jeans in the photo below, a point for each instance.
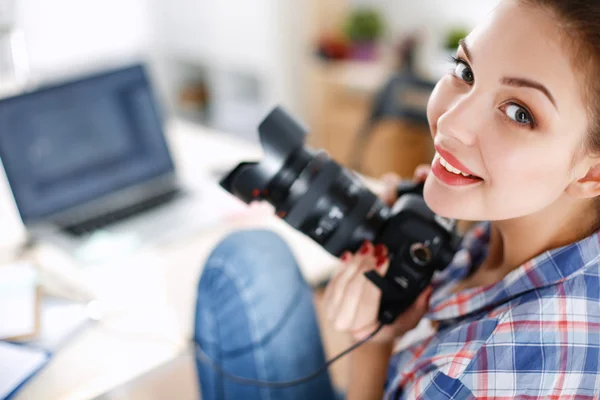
(255, 317)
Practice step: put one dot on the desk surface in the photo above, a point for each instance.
(149, 296)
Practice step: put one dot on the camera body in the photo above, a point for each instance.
(330, 204)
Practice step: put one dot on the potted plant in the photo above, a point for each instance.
(453, 38)
(364, 27)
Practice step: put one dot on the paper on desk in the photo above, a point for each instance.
(12, 233)
(17, 300)
(18, 364)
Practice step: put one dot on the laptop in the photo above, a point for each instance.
(89, 156)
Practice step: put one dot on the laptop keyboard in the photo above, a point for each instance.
(91, 225)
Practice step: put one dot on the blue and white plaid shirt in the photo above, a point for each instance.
(533, 335)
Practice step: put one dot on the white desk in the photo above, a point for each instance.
(150, 296)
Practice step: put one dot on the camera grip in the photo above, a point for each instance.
(409, 187)
(398, 292)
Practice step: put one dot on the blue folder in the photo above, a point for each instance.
(18, 364)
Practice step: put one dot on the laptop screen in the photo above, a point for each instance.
(65, 145)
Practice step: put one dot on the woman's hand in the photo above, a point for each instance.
(352, 305)
(352, 301)
(388, 192)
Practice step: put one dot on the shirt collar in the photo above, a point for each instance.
(548, 268)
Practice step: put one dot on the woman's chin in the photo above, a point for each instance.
(445, 206)
(451, 213)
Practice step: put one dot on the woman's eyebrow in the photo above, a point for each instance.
(521, 82)
(517, 82)
(462, 43)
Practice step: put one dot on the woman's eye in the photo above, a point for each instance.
(519, 114)
(462, 71)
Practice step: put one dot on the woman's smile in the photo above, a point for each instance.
(451, 171)
(450, 175)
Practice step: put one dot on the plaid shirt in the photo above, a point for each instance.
(533, 335)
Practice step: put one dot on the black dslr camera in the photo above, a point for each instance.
(327, 202)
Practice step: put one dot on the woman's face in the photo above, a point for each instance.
(510, 113)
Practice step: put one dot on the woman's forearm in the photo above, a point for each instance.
(368, 369)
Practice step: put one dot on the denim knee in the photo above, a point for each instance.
(243, 244)
(253, 254)
(254, 269)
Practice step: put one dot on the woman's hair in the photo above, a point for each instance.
(580, 22)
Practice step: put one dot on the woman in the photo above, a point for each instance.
(516, 126)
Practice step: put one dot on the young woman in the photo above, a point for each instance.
(516, 126)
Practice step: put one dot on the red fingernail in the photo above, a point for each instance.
(380, 250)
(381, 261)
(346, 256)
(362, 246)
(366, 247)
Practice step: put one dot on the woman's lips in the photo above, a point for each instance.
(453, 161)
(450, 178)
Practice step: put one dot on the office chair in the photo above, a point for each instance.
(404, 97)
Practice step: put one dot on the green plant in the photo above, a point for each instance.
(454, 37)
(364, 25)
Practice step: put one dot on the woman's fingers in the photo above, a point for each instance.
(364, 331)
(389, 190)
(359, 304)
(332, 289)
(421, 172)
(346, 258)
(347, 312)
(344, 292)
(368, 309)
(411, 317)
(408, 320)
(340, 284)
(390, 178)
(352, 301)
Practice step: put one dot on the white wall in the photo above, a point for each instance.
(80, 33)
(233, 41)
(406, 15)
(431, 19)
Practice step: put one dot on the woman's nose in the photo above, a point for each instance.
(463, 120)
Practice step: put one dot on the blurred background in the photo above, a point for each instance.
(225, 63)
(108, 302)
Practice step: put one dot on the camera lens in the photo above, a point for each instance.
(326, 202)
(324, 221)
(309, 190)
(279, 189)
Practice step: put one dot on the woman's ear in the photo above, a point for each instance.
(588, 186)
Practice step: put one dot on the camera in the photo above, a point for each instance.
(331, 205)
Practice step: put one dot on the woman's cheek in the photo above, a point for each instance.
(524, 178)
(509, 166)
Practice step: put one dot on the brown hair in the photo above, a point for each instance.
(580, 21)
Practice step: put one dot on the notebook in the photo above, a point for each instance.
(19, 364)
